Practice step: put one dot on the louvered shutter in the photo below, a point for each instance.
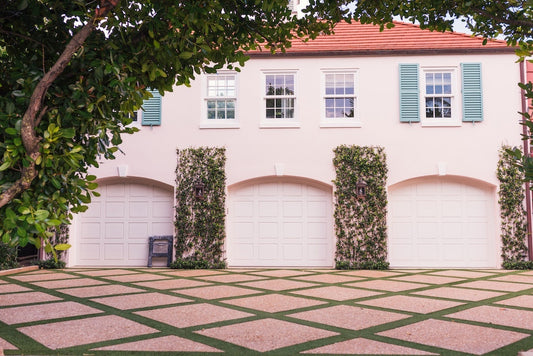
(152, 110)
(472, 93)
(409, 93)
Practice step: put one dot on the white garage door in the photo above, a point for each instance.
(114, 230)
(437, 222)
(280, 224)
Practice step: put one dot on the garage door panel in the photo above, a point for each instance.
(90, 230)
(268, 208)
(138, 230)
(292, 209)
(139, 209)
(449, 224)
(283, 219)
(90, 252)
(116, 227)
(114, 230)
(292, 230)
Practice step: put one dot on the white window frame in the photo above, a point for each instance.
(455, 119)
(279, 122)
(219, 123)
(354, 121)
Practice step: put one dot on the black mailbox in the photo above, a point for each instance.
(160, 246)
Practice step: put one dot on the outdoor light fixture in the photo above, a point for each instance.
(360, 189)
(199, 190)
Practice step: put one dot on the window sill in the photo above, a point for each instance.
(221, 125)
(346, 123)
(440, 123)
(280, 124)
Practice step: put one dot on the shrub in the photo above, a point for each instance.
(517, 265)
(190, 263)
(8, 257)
(51, 264)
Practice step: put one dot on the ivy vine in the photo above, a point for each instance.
(512, 213)
(200, 221)
(360, 223)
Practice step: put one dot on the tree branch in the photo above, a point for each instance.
(35, 110)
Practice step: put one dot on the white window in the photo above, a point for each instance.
(340, 99)
(439, 97)
(280, 100)
(220, 99)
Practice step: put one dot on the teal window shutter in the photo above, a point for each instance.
(409, 93)
(472, 93)
(152, 110)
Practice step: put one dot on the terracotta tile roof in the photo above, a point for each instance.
(404, 38)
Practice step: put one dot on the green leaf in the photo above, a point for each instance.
(41, 214)
(185, 55)
(62, 247)
(5, 166)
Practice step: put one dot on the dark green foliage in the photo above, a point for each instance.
(51, 263)
(379, 265)
(191, 263)
(8, 256)
(79, 115)
(360, 223)
(512, 212)
(517, 265)
(200, 223)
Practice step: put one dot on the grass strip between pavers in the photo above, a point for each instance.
(28, 346)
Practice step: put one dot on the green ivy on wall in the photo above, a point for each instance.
(200, 221)
(512, 212)
(360, 223)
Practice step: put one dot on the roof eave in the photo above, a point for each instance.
(386, 52)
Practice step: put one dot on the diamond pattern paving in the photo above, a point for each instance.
(329, 278)
(522, 319)
(348, 317)
(423, 278)
(192, 315)
(266, 334)
(18, 315)
(336, 293)
(279, 310)
(85, 331)
(172, 284)
(136, 301)
(66, 283)
(217, 292)
(278, 284)
(86, 292)
(32, 277)
(494, 285)
(387, 285)
(411, 304)
(26, 298)
(524, 301)
(367, 347)
(459, 293)
(169, 343)
(472, 339)
(273, 303)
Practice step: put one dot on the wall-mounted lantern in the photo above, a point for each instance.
(199, 190)
(360, 189)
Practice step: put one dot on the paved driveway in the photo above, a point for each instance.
(274, 311)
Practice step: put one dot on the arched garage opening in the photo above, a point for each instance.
(280, 222)
(114, 230)
(442, 222)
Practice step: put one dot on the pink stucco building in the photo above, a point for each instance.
(441, 105)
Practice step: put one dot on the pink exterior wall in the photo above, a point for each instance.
(412, 150)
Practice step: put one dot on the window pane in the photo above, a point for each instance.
(270, 103)
(230, 114)
(230, 104)
(221, 114)
(270, 113)
(438, 89)
(447, 89)
(290, 114)
(221, 104)
(330, 102)
(211, 114)
(329, 112)
(210, 104)
(429, 89)
(429, 112)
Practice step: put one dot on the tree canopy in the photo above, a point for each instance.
(72, 73)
